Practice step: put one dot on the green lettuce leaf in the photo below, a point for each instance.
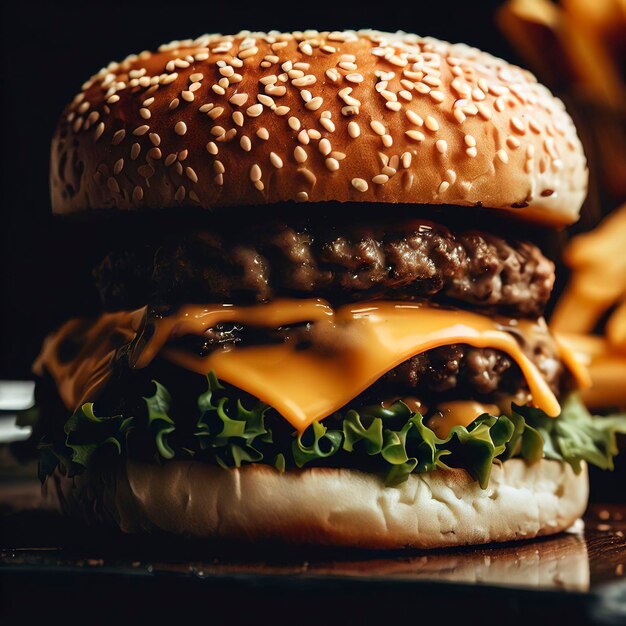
(576, 435)
(159, 422)
(233, 429)
(87, 433)
(232, 432)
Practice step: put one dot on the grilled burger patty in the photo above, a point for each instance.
(415, 260)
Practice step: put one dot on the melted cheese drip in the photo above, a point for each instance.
(80, 377)
(372, 338)
(359, 343)
(458, 413)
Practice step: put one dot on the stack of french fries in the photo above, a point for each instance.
(578, 48)
(591, 314)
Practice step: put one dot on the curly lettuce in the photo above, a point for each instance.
(230, 431)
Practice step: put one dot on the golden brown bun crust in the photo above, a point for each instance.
(339, 507)
(255, 119)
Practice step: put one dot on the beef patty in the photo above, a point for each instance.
(414, 260)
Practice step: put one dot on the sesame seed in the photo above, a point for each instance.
(211, 147)
(218, 89)
(255, 173)
(155, 139)
(387, 141)
(134, 151)
(218, 131)
(416, 135)
(238, 118)
(275, 160)
(469, 141)
(380, 179)
(300, 154)
(266, 100)
(180, 128)
(113, 99)
(354, 130)
(218, 167)
(137, 194)
(294, 123)
(518, 125)
(442, 146)
(245, 143)
(406, 160)
(451, 176)
(349, 111)
(281, 110)
(414, 118)
(459, 116)
(304, 81)
(145, 113)
(431, 123)
(360, 185)
(355, 77)
(113, 185)
(145, 170)
(302, 196)
(324, 146)
(141, 130)
(118, 137)
(187, 96)
(179, 196)
(174, 104)
(437, 96)
(169, 159)
(328, 124)
(197, 77)
(119, 165)
(471, 152)
(215, 112)
(503, 156)
(239, 99)
(255, 110)
(513, 142)
(378, 127)
(314, 104)
(332, 164)
(263, 133)
(191, 174)
(99, 130)
(443, 186)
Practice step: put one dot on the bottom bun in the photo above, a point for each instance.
(329, 506)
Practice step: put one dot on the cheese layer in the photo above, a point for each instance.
(361, 342)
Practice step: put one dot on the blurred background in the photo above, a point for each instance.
(577, 47)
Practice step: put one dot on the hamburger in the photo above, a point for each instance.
(322, 304)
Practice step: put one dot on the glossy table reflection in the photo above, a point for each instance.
(572, 578)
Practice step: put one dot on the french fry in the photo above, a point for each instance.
(598, 263)
(606, 367)
(616, 328)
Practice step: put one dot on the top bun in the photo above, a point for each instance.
(311, 116)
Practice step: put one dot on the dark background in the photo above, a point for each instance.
(50, 48)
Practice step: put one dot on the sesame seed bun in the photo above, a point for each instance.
(340, 507)
(255, 119)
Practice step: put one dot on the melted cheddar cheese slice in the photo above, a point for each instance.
(358, 343)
